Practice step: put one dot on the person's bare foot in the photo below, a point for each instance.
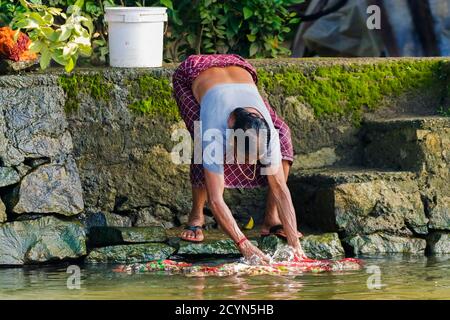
(194, 229)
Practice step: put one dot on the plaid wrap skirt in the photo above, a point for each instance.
(185, 74)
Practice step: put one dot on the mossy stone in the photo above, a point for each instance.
(131, 253)
(104, 236)
(41, 240)
(323, 246)
(3, 216)
(209, 247)
(75, 85)
(354, 88)
(8, 176)
(153, 96)
(381, 243)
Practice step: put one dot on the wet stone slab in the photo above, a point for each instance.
(131, 253)
(439, 243)
(323, 246)
(209, 247)
(104, 236)
(381, 243)
(41, 240)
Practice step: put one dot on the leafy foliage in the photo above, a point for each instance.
(251, 28)
(444, 111)
(62, 42)
(8, 9)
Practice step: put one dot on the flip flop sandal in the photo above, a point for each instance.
(194, 230)
(278, 231)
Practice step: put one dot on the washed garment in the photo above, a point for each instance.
(189, 108)
(237, 268)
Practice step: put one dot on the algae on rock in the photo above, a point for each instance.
(42, 240)
(131, 253)
(380, 243)
(152, 97)
(323, 246)
(104, 236)
(350, 88)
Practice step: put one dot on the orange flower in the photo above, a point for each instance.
(16, 51)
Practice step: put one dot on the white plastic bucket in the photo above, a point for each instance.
(135, 36)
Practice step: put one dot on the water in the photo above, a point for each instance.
(401, 278)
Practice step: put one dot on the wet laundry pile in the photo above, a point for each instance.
(240, 268)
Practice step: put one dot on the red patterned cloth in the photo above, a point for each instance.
(183, 77)
(229, 269)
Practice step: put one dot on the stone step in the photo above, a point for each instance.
(414, 144)
(42, 240)
(216, 244)
(130, 253)
(438, 242)
(383, 243)
(106, 236)
(319, 246)
(322, 246)
(359, 201)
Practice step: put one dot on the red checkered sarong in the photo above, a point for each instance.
(183, 77)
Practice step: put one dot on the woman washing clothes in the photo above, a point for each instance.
(220, 92)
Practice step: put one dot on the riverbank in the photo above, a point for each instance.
(92, 150)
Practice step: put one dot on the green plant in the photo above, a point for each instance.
(444, 111)
(8, 9)
(56, 35)
(251, 28)
(95, 9)
(255, 28)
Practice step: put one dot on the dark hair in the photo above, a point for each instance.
(247, 120)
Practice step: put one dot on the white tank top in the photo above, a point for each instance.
(215, 109)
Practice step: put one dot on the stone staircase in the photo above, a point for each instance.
(73, 156)
(396, 200)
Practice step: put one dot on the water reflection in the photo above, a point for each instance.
(403, 277)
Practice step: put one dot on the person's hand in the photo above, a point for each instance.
(252, 253)
(299, 254)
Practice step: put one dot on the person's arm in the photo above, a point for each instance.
(282, 196)
(215, 187)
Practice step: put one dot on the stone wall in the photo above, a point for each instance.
(96, 144)
(38, 171)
